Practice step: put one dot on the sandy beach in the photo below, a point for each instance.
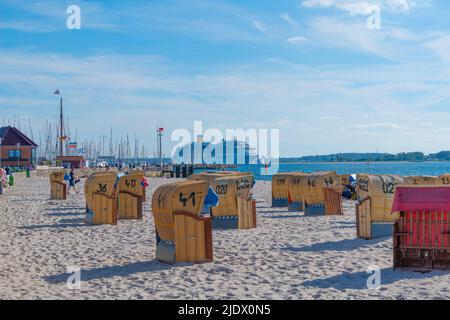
(288, 256)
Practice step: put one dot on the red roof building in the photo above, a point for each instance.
(16, 149)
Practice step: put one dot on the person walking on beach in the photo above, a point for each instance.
(72, 182)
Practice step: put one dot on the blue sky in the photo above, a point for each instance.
(311, 68)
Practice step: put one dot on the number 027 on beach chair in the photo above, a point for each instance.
(182, 233)
(101, 198)
(58, 187)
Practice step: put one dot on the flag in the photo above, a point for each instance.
(160, 129)
(73, 145)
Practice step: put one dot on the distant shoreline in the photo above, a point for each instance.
(363, 162)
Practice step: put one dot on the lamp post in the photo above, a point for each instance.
(61, 122)
(18, 155)
(160, 134)
(1, 141)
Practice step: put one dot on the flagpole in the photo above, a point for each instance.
(61, 119)
(61, 123)
(159, 133)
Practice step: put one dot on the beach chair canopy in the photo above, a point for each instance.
(421, 198)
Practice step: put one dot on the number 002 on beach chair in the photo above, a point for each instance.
(101, 198)
(322, 194)
(131, 195)
(58, 187)
(422, 231)
(182, 233)
(375, 194)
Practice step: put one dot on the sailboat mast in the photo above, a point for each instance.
(61, 127)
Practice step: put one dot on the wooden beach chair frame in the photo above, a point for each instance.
(421, 238)
(58, 188)
(130, 199)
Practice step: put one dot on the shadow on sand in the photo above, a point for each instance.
(73, 223)
(64, 214)
(283, 216)
(342, 245)
(358, 280)
(80, 208)
(114, 271)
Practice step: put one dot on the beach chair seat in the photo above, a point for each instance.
(131, 193)
(58, 187)
(422, 230)
(246, 213)
(182, 233)
(280, 186)
(229, 187)
(295, 191)
(101, 198)
(375, 194)
(322, 193)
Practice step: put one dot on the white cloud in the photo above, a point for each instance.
(330, 118)
(259, 26)
(441, 47)
(358, 7)
(297, 39)
(286, 17)
(384, 126)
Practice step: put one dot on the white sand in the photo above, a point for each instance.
(287, 257)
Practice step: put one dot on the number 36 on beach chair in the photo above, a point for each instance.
(101, 198)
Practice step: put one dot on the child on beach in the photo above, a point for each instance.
(72, 182)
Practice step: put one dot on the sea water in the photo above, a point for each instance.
(400, 168)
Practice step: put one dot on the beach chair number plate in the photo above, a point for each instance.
(242, 184)
(102, 188)
(311, 183)
(222, 189)
(388, 187)
(185, 200)
(329, 181)
(363, 185)
(132, 183)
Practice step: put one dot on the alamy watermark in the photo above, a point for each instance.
(74, 280)
(234, 146)
(74, 19)
(374, 280)
(373, 22)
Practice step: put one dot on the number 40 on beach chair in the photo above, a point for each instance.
(131, 189)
